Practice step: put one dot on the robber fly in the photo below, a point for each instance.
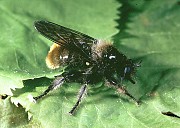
(87, 60)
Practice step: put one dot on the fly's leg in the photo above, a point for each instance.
(56, 83)
(124, 91)
(70, 76)
(82, 92)
(113, 83)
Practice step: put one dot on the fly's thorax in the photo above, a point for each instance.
(108, 53)
(56, 57)
(99, 48)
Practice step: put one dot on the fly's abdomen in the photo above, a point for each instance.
(57, 56)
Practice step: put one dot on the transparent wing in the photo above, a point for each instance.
(70, 39)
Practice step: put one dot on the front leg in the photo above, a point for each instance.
(114, 83)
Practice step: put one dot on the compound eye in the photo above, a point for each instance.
(127, 70)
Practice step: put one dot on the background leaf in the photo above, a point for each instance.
(149, 31)
(12, 116)
(153, 37)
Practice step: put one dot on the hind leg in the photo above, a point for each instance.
(71, 76)
(55, 84)
(82, 92)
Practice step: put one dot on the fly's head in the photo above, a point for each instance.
(118, 63)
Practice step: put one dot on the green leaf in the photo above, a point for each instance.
(149, 32)
(153, 37)
(12, 116)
